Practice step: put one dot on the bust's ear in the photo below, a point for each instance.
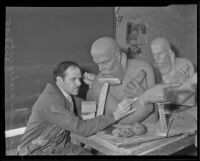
(172, 55)
(118, 56)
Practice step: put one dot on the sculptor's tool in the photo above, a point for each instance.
(133, 108)
(162, 131)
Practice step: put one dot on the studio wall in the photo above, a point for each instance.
(37, 39)
(177, 23)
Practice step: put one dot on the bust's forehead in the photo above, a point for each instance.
(157, 48)
(103, 46)
(160, 43)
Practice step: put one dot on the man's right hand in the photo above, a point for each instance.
(189, 85)
(124, 108)
(134, 88)
(158, 93)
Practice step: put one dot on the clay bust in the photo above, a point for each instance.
(173, 70)
(136, 76)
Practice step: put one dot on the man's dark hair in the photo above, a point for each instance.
(62, 67)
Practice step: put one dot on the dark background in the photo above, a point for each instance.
(40, 38)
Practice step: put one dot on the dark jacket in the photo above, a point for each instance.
(51, 122)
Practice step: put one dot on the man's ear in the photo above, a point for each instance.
(59, 79)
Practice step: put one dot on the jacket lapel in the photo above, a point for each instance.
(52, 88)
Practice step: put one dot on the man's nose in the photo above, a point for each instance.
(78, 83)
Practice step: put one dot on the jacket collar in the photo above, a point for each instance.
(67, 96)
(53, 88)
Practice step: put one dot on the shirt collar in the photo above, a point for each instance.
(66, 95)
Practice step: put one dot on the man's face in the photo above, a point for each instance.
(107, 64)
(71, 81)
(162, 58)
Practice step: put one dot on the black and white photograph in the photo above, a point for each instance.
(101, 81)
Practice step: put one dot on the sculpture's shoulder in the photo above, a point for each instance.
(184, 64)
(138, 64)
(181, 62)
(134, 66)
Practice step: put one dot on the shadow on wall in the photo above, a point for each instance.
(177, 54)
(84, 87)
(83, 90)
(175, 50)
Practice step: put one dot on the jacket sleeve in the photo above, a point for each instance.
(55, 112)
(78, 105)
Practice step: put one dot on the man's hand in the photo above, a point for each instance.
(157, 94)
(88, 78)
(124, 108)
(134, 87)
(179, 77)
(189, 85)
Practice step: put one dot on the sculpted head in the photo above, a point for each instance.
(162, 54)
(106, 54)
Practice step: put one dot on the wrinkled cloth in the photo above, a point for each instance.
(182, 69)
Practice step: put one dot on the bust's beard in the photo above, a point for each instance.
(117, 72)
(165, 69)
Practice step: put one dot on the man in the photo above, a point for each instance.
(173, 70)
(54, 116)
(56, 113)
(136, 76)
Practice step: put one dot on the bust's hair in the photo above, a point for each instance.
(105, 45)
(62, 67)
(164, 43)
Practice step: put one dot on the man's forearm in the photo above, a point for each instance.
(182, 98)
